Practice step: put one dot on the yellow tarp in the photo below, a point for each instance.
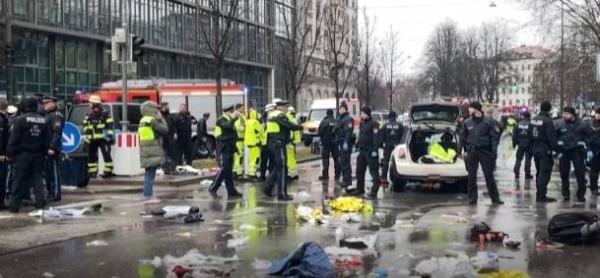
(506, 274)
(350, 204)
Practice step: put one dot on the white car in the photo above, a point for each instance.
(426, 124)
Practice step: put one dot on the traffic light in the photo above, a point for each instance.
(136, 51)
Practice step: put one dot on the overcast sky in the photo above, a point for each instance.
(416, 19)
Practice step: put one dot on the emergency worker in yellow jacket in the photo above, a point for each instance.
(295, 139)
(444, 151)
(511, 124)
(240, 128)
(253, 140)
(99, 133)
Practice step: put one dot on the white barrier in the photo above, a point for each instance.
(126, 155)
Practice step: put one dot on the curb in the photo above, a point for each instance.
(170, 183)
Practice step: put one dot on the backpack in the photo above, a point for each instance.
(574, 227)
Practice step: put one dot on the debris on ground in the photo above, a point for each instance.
(259, 264)
(171, 211)
(60, 213)
(511, 243)
(97, 243)
(193, 218)
(351, 217)
(309, 260)
(302, 197)
(187, 169)
(206, 182)
(447, 267)
(308, 214)
(547, 244)
(48, 275)
(359, 242)
(486, 261)
(506, 274)
(350, 204)
(237, 242)
(201, 264)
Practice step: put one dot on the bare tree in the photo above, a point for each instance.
(216, 20)
(442, 53)
(390, 61)
(495, 42)
(367, 78)
(340, 49)
(296, 51)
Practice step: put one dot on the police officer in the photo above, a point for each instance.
(392, 136)
(572, 134)
(543, 142)
(240, 126)
(368, 144)
(266, 160)
(329, 146)
(522, 141)
(253, 141)
(98, 128)
(169, 144)
(55, 122)
(291, 146)
(226, 140)
(593, 153)
(344, 132)
(480, 139)
(183, 124)
(27, 146)
(4, 134)
(279, 130)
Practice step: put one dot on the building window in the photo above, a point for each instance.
(510, 102)
(529, 67)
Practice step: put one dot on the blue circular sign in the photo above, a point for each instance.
(71, 138)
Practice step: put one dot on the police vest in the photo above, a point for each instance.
(145, 129)
(273, 127)
(218, 130)
(437, 151)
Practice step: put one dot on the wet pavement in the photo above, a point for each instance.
(412, 226)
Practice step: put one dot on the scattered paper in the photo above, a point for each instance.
(48, 275)
(206, 182)
(97, 243)
(259, 264)
(237, 242)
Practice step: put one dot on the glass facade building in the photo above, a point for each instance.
(67, 48)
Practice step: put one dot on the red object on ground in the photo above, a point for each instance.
(180, 271)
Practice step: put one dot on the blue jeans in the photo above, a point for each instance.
(149, 180)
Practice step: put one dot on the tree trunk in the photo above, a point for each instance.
(218, 80)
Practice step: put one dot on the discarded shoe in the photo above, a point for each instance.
(512, 243)
(194, 209)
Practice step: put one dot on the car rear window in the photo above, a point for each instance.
(78, 113)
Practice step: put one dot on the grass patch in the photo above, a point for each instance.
(301, 154)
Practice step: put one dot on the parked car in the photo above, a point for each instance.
(426, 124)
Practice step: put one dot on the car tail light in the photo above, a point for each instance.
(401, 153)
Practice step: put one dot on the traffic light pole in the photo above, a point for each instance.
(124, 50)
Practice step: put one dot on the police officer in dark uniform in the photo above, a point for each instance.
(169, 144)
(368, 143)
(344, 132)
(392, 136)
(279, 130)
(329, 146)
(202, 134)
(55, 122)
(183, 123)
(593, 153)
(226, 140)
(543, 142)
(28, 145)
(266, 158)
(480, 140)
(4, 134)
(572, 134)
(522, 141)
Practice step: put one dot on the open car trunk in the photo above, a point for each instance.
(421, 140)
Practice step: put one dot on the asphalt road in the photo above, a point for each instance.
(413, 226)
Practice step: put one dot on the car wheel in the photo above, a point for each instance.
(307, 142)
(398, 182)
(201, 149)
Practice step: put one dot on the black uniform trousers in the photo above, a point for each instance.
(387, 153)
(330, 150)
(104, 148)
(28, 169)
(364, 160)
(225, 173)
(577, 157)
(52, 177)
(4, 184)
(544, 164)
(279, 175)
(345, 166)
(171, 153)
(594, 170)
(266, 161)
(523, 152)
(486, 159)
(184, 148)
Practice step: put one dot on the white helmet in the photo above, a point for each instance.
(276, 100)
(291, 109)
(269, 107)
(11, 109)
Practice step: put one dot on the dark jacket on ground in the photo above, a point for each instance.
(327, 130)
(571, 133)
(543, 132)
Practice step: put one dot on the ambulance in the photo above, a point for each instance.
(318, 111)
